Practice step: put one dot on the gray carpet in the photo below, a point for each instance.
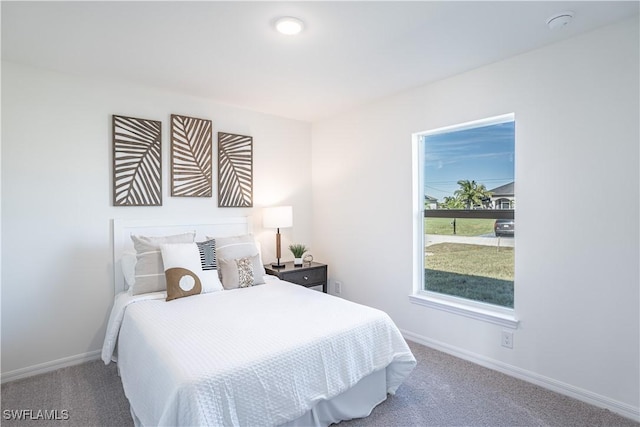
(446, 391)
(91, 393)
(441, 391)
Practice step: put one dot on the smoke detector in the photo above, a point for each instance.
(560, 20)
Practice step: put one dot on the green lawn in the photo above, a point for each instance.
(464, 227)
(481, 273)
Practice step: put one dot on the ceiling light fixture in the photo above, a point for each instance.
(289, 25)
(560, 20)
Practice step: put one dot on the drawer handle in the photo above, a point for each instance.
(306, 277)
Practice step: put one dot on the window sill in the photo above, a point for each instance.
(483, 314)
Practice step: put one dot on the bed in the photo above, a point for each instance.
(270, 354)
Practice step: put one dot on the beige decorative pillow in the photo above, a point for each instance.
(232, 248)
(149, 273)
(255, 242)
(240, 272)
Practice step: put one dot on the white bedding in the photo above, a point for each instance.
(258, 356)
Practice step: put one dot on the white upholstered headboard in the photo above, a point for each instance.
(124, 228)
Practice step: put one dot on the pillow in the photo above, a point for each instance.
(182, 282)
(183, 271)
(149, 271)
(230, 249)
(128, 263)
(208, 254)
(211, 277)
(240, 272)
(255, 242)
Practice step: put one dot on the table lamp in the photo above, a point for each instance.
(277, 217)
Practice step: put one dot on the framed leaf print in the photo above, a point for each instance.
(235, 170)
(191, 152)
(137, 162)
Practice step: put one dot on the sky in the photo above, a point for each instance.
(484, 154)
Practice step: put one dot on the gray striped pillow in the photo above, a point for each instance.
(208, 254)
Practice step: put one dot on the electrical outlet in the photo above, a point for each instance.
(337, 287)
(507, 339)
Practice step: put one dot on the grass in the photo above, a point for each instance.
(464, 227)
(480, 273)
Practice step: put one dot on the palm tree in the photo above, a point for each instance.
(452, 203)
(472, 194)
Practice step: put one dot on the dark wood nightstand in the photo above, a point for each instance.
(314, 274)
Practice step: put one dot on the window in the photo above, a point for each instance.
(465, 215)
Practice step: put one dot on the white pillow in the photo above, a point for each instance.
(211, 276)
(128, 263)
(186, 256)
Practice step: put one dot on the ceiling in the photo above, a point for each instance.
(350, 53)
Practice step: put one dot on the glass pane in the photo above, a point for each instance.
(472, 168)
(474, 263)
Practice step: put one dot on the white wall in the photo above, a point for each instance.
(57, 275)
(577, 282)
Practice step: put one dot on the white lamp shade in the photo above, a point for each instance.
(277, 217)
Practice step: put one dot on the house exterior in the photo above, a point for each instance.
(430, 202)
(503, 197)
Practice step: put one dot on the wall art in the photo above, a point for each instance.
(137, 162)
(191, 157)
(235, 170)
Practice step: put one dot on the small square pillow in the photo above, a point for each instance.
(240, 272)
(150, 275)
(184, 273)
(229, 249)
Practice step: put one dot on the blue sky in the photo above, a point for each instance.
(484, 154)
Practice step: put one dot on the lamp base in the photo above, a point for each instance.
(278, 265)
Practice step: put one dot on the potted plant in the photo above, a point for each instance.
(297, 250)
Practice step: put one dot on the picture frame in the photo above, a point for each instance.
(137, 161)
(235, 170)
(191, 157)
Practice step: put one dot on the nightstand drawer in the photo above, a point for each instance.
(306, 277)
(310, 275)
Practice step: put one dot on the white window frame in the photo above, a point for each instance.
(503, 316)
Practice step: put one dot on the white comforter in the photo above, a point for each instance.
(258, 356)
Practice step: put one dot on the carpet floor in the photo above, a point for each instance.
(442, 391)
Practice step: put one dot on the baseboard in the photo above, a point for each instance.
(42, 368)
(623, 409)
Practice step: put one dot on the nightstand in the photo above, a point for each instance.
(314, 274)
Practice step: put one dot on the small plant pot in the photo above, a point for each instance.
(297, 262)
